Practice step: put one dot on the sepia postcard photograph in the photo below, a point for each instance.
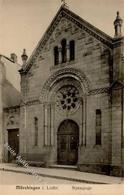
(62, 97)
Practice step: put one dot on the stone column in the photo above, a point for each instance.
(52, 124)
(60, 54)
(118, 65)
(1, 111)
(84, 110)
(81, 133)
(23, 145)
(1, 125)
(45, 125)
(68, 51)
(25, 129)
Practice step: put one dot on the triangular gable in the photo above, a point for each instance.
(81, 23)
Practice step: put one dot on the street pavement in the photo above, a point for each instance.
(11, 178)
(63, 175)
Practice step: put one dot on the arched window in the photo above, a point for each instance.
(56, 55)
(35, 131)
(72, 50)
(63, 44)
(98, 127)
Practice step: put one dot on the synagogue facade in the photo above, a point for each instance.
(71, 108)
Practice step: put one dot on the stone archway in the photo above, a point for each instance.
(63, 74)
(67, 143)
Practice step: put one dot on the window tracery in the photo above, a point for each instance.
(68, 98)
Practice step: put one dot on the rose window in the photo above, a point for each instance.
(68, 98)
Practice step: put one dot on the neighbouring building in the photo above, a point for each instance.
(9, 104)
(71, 110)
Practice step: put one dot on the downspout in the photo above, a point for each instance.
(25, 110)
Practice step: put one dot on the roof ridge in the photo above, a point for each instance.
(88, 23)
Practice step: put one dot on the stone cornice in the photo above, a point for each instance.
(33, 101)
(118, 42)
(82, 24)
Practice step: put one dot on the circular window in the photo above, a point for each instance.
(67, 98)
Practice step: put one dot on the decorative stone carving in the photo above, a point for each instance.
(82, 35)
(64, 26)
(99, 91)
(40, 58)
(75, 29)
(57, 34)
(12, 121)
(80, 76)
(90, 41)
(52, 40)
(12, 110)
(88, 51)
(78, 23)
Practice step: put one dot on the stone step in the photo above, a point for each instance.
(64, 167)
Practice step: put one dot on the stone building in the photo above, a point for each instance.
(71, 110)
(9, 104)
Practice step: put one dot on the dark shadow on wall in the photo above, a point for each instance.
(10, 95)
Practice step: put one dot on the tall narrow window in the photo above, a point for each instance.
(98, 127)
(64, 57)
(56, 55)
(72, 50)
(45, 125)
(36, 131)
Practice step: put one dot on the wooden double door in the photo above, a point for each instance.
(13, 142)
(67, 143)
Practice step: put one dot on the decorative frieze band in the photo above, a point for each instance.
(99, 91)
(37, 101)
(31, 102)
(13, 109)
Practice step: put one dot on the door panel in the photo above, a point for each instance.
(13, 142)
(63, 147)
(68, 138)
(73, 149)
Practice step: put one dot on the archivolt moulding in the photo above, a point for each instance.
(61, 74)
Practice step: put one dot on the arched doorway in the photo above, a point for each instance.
(67, 143)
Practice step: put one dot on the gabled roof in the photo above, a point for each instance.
(6, 58)
(81, 23)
